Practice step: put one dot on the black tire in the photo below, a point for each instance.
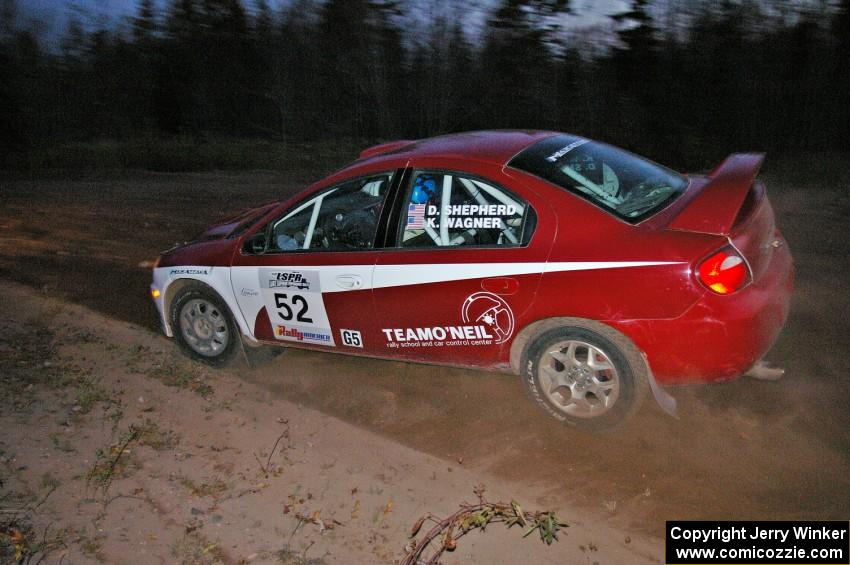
(213, 337)
(557, 373)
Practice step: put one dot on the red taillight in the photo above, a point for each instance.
(724, 272)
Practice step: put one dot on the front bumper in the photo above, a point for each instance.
(158, 292)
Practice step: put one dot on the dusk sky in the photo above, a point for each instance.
(53, 14)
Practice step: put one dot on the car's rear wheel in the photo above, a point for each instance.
(590, 378)
(203, 325)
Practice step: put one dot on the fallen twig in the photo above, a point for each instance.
(266, 469)
(472, 516)
(105, 478)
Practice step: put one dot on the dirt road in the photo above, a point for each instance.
(743, 450)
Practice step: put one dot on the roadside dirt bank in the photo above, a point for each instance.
(116, 449)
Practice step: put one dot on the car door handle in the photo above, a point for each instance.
(500, 285)
(349, 281)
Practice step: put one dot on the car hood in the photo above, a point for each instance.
(235, 223)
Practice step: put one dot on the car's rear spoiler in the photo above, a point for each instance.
(385, 148)
(716, 206)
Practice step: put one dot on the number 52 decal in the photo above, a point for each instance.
(296, 309)
(285, 311)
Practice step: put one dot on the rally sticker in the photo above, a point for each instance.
(416, 216)
(460, 216)
(295, 305)
(490, 311)
(303, 334)
(189, 271)
(351, 338)
(564, 150)
(486, 320)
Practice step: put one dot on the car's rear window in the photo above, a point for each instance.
(628, 186)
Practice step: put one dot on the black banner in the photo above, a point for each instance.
(758, 543)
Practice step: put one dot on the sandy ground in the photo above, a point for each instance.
(746, 450)
(115, 449)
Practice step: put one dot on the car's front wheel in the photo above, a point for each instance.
(203, 325)
(590, 378)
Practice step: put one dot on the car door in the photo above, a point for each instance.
(456, 283)
(305, 278)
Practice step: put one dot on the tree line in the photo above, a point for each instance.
(667, 79)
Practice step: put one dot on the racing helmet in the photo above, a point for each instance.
(424, 188)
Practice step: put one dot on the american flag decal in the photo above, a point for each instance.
(416, 216)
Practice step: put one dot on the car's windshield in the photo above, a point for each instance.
(630, 187)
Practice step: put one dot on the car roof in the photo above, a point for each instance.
(492, 146)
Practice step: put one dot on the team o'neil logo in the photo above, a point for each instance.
(487, 309)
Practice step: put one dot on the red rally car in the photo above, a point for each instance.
(592, 273)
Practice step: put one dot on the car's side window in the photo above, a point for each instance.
(341, 218)
(447, 209)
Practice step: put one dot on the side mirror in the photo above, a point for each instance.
(255, 245)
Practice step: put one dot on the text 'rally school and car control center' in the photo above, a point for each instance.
(593, 273)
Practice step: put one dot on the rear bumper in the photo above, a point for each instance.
(720, 337)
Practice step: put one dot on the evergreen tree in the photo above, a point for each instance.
(517, 62)
(363, 68)
(839, 81)
(144, 23)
